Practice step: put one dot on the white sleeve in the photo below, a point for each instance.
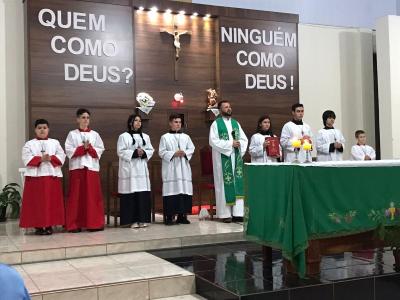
(70, 148)
(148, 148)
(243, 141)
(98, 145)
(372, 153)
(60, 154)
(27, 154)
(286, 138)
(256, 149)
(222, 146)
(163, 152)
(322, 145)
(356, 154)
(189, 148)
(123, 150)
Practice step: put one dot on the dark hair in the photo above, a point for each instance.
(294, 106)
(222, 102)
(358, 132)
(81, 111)
(130, 121)
(174, 116)
(262, 118)
(328, 114)
(41, 121)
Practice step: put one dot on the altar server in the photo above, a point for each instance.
(134, 150)
(329, 141)
(229, 144)
(84, 147)
(176, 149)
(295, 130)
(361, 151)
(42, 201)
(260, 142)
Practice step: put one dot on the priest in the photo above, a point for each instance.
(295, 130)
(229, 144)
(84, 147)
(176, 150)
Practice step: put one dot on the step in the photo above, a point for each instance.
(184, 297)
(18, 247)
(138, 275)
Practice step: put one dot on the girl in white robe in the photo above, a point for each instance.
(259, 143)
(176, 149)
(134, 150)
(42, 200)
(329, 141)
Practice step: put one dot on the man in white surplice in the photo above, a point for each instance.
(295, 130)
(225, 146)
(176, 149)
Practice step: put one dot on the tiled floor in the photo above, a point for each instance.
(18, 246)
(238, 271)
(137, 275)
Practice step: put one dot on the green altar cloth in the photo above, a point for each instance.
(287, 205)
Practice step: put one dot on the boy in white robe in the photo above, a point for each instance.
(228, 142)
(259, 143)
(84, 147)
(329, 141)
(42, 200)
(134, 150)
(176, 150)
(295, 130)
(361, 151)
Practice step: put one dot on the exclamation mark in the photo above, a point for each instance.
(291, 82)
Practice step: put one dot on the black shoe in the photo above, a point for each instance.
(227, 220)
(75, 230)
(96, 229)
(237, 219)
(39, 231)
(169, 221)
(182, 219)
(49, 230)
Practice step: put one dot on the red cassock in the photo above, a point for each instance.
(42, 200)
(43, 203)
(84, 205)
(85, 200)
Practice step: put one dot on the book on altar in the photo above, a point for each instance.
(273, 147)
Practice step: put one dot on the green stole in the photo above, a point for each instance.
(233, 181)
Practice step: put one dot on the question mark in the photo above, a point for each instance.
(130, 73)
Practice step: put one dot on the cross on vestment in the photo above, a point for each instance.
(177, 44)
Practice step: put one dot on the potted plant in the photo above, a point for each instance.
(10, 195)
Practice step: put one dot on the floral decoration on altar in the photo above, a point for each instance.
(146, 102)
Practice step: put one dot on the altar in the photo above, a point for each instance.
(291, 206)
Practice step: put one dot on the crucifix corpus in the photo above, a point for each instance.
(177, 44)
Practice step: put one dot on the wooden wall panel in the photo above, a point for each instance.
(203, 63)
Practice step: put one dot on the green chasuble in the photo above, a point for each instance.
(233, 179)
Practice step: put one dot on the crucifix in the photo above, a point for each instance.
(177, 44)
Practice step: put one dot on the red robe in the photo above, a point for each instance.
(42, 200)
(84, 207)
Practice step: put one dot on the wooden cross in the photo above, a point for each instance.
(177, 44)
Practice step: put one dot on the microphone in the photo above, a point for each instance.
(233, 134)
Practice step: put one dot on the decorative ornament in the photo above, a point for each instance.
(146, 102)
(178, 97)
(212, 101)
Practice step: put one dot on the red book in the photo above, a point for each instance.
(273, 147)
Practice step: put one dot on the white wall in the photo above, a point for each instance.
(336, 72)
(12, 89)
(388, 49)
(347, 13)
